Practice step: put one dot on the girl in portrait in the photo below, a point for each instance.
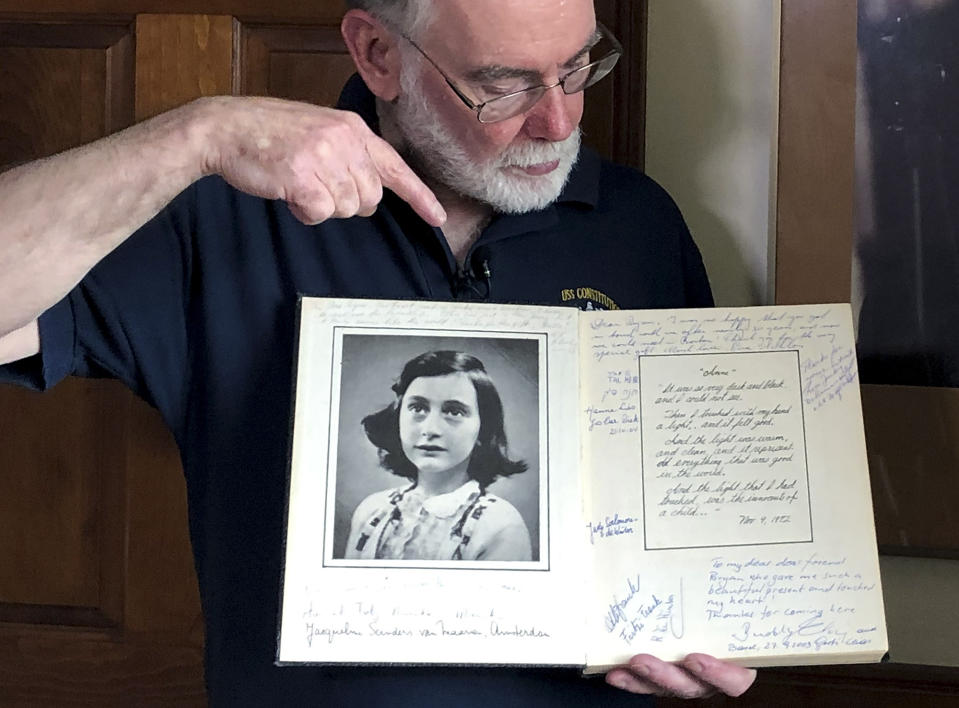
(445, 434)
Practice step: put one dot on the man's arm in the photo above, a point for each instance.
(63, 214)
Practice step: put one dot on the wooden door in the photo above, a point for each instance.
(98, 597)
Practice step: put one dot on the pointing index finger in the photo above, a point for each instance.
(396, 175)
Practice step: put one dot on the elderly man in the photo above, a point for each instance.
(168, 256)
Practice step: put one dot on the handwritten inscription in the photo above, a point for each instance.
(792, 603)
(776, 603)
(724, 449)
(827, 375)
(829, 365)
(639, 614)
(337, 623)
(618, 420)
(611, 527)
(559, 322)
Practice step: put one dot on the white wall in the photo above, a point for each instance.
(712, 107)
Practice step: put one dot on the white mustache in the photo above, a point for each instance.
(538, 153)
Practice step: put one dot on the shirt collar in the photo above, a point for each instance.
(582, 187)
(446, 505)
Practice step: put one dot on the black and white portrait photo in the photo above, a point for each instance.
(437, 450)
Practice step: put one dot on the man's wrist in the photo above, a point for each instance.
(201, 131)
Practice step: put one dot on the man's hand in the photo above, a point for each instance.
(696, 676)
(325, 163)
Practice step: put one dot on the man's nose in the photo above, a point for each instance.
(553, 116)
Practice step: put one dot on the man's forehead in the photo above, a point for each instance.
(514, 33)
(494, 72)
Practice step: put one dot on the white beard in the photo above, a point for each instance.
(434, 151)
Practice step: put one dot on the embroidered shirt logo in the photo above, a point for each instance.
(588, 299)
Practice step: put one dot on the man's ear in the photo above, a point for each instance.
(374, 51)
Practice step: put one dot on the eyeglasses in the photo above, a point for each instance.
(515, 103)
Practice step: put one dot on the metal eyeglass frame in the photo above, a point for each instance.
(602, 71)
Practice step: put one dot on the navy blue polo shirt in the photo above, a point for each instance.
(196, 312)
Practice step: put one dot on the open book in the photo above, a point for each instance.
(668, 481)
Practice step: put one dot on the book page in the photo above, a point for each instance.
(728, 500)
(374, 574)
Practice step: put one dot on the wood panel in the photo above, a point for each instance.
(268, 11)
(910, 435)
(181, 57)
(56, 669)
(162, 600)
(63, 85)
(287, 62)
(815, 203)
(614, 121)
(62, 507)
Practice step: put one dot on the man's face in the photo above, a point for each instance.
(490, 48)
